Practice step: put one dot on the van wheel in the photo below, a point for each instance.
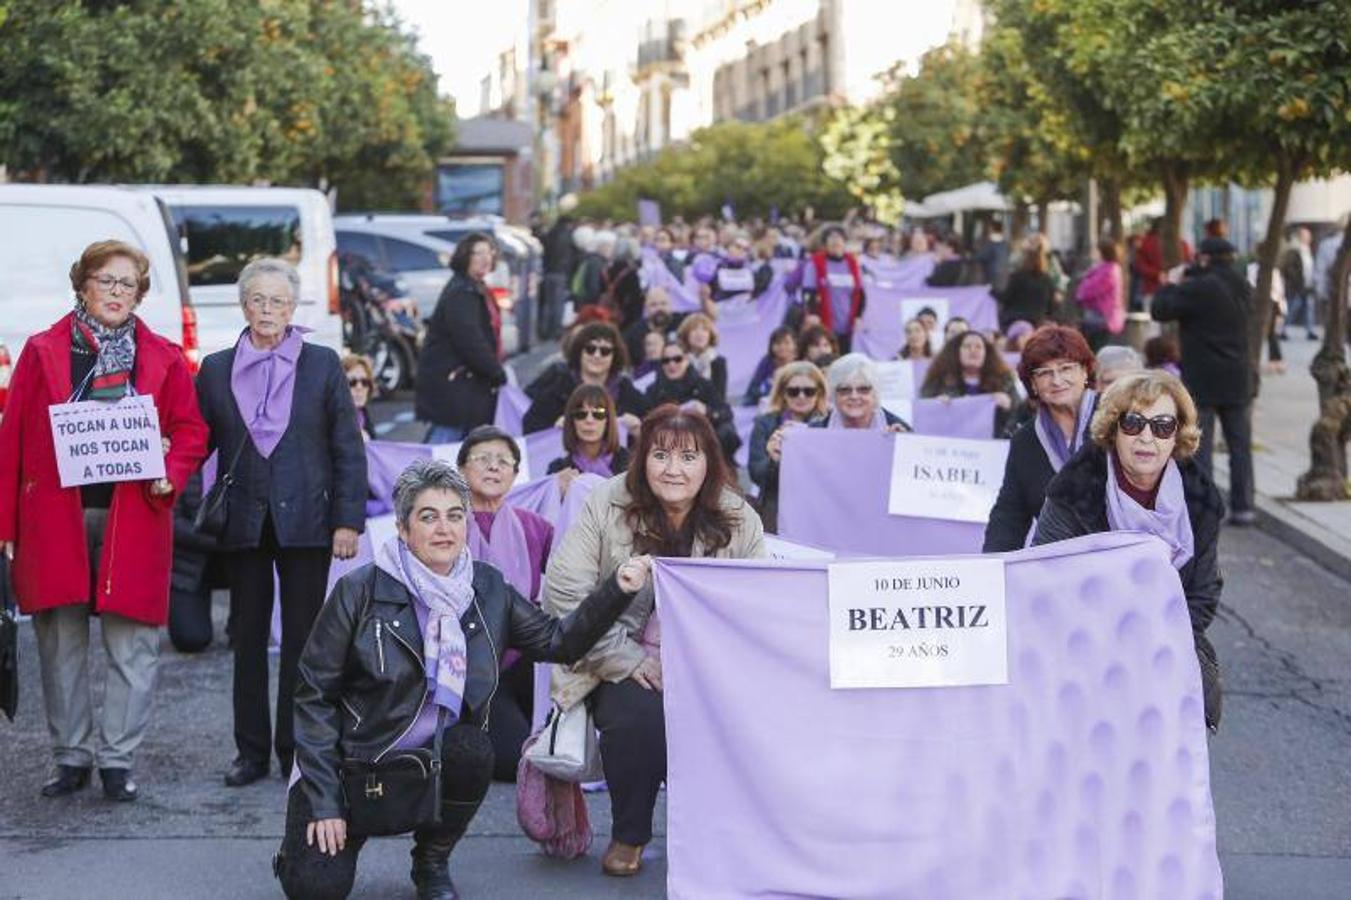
(393, 364)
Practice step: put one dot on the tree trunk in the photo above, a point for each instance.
(1267, 251)
(1326, 478)
(1021, 214)
(1110, 211)
(1176, 180)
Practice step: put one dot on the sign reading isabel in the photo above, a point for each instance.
(918, 623)
(98, 442)
(946, 478)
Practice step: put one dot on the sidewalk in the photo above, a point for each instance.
(1285, 411)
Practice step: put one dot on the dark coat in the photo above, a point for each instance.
(620, 462)
(637, 331)
(560, 253)
(1212, 310)
(549, 395)
(1029, 296)
(1076, 504)
(458, 371)
(362, 679)
(1026, 475)
(691, 386)
(315, 480)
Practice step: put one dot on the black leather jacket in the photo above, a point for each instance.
(362, 680)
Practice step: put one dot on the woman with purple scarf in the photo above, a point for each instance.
(516, 542)
(590, 438)
(1057, 368)
(1138, 474)
(407, 645)
(285, 430)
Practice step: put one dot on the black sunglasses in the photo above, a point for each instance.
(598, 415)
(359, 382)
(1132, 423)
(799, 392)
(599, 349)
(672, 360)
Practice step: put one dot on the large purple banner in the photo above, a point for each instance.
(1085, 776)
(744, 327)
(653, 273)
(960, 417)
(882, 331)
(834, 485)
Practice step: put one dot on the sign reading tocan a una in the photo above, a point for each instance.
(100, 442)
(918, 623)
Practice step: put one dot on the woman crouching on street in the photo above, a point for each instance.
(1139, 475)
(406, 647)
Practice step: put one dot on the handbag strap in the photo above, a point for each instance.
(229, 475)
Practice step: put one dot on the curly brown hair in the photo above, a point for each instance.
(945, 371)
(1137, 391)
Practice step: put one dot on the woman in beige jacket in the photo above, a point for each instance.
(675, 500)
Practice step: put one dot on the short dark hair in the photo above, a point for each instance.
(459, 260)
(597, 331)
(1107, 250)
(482, 435)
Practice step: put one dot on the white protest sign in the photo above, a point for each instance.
(918, 623)
(100, 442)
(895, 384)
(450, 452)
(911, 308)
(936, 477)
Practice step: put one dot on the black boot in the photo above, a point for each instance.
(68, 780)
(431, 862)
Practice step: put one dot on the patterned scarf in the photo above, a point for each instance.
(446, 599)
(116, 352)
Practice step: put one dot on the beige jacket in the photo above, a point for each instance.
(598, 542)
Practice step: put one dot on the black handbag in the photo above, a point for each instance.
(396, 795)
(9, 643)
(214, 511)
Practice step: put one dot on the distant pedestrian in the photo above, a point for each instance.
(1100, 298)
(560, 255)
(1297, 270)
(103, 549)
(993, 257)
(1031, 294)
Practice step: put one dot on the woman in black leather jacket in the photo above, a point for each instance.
(424, 613)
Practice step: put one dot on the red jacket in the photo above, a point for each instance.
(46, 521)
(825, 308)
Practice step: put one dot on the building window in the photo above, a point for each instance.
(468, 188)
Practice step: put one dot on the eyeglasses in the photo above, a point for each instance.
(846, 390)
(672, 360)
(110, 284)
(488, 460)
(264, 304)
(596, 415)
(359, 382)
(1063, 372)
(799, 391)
(598, 350)
(1132, 423)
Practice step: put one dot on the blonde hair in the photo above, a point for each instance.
(792, 370)
(693, 321)
(1137, 391)
(352, 361)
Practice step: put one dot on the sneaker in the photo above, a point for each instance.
(1243, 518)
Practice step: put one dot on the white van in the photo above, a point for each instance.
(43, 230)
(224, 228)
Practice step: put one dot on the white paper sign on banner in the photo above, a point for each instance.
(840, 279)
(918, 623)
(936, 477)
(450, 452)
(895, 384)
(98, 441)
(911, 307)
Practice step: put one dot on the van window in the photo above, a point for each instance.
(358, 243)
(41, 242)
(404, 256)
(221, 240)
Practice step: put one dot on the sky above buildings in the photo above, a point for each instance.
(463, 39)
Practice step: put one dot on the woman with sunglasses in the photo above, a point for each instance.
(361, 382)
(590, 438)
(1058, 370)
(595, 355)
(797, 398)
(1138, 474)
(853, 391)
(679, 383)
(736, 274)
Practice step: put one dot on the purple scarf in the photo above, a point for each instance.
(1053, 439)
(1167, 520)
(446, 598)
(602, 465)
(264, 383)
(499, 540)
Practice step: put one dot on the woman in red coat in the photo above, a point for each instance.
(104, 548)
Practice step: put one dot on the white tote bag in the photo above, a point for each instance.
(567, 748)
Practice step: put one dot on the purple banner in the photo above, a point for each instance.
(744, 416)
(653, 273)
(512, 404)
(744, 327)
(960, 417)
(890, 273)
(883, 333)
(1087, 775)
(834, 485)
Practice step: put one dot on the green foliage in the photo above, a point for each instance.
(302, 92)
(754, 167)
(857, 143)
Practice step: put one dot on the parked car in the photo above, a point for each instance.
(381, 321)
(43, 230)
(418, 248)
(223, 228)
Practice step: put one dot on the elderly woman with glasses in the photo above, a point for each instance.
(286, 432)
(595, 355)
(1057, 369)
(853, 392)
(407, 646)
(1138, 474)
(590, 438)
(798, 398)
(104, 547)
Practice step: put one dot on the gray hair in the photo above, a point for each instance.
(427, 474)
(582, 236)
(849, 366)
(1116, 358)
(269, 265)
(627, 249)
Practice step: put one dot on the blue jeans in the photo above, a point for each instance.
(445, 434)
(1301, 311)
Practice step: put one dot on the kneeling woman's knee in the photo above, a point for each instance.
(467, 760)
